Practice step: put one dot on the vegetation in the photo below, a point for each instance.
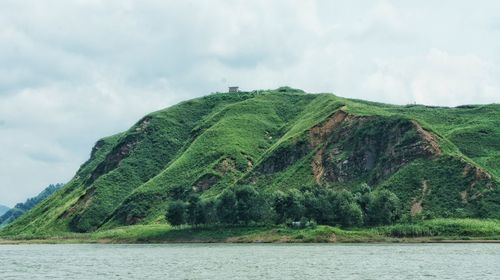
(437, 230)
(268, 159)
(3, 209)
(176, 213)
(245, 205)
(19, 209)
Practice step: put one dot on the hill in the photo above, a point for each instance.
(3, 209)
(12, 214)
(432, 161)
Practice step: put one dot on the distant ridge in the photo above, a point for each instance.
(3, 209)
(12, 214)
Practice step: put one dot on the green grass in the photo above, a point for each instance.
(457, 228)
(426, 231)
(230, 138)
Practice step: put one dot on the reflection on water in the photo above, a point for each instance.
(253, 261)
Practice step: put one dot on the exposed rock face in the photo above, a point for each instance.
(351, 147)
(479, 182)
(284, 157)
(320, 133)
(277, 140)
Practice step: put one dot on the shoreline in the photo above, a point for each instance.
(431, 231)
(114, 242)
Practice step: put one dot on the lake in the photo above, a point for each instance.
(252, 261)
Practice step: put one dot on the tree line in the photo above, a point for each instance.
(244, 205)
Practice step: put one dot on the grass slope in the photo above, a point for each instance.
(263, 138)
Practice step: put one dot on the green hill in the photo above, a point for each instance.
(439, 161)
(19, 209)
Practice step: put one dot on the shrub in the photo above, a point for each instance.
(176, 213)
(225, 208)
(288, 205)
(248, 205)
(384, 209)
(196, 210)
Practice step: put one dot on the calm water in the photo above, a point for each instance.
(267, 261)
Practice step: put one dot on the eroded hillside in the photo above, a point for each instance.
(444, 160)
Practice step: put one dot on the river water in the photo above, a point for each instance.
(252, 261)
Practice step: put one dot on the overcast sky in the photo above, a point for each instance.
(72, 72)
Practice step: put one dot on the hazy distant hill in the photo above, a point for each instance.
(12, 214)
(441, 161)
(3, 209)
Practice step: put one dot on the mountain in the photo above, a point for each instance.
(21, 208)
(444, 162)
(3, 209)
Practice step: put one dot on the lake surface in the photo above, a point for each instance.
(252, 261)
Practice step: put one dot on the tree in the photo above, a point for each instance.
(179, 192)
(225, 207)
(176, 213)
(347, 211)
(288, 205)
(196, 212)
(353, 216)
(248, 205)
(318, 206)
(384, 209)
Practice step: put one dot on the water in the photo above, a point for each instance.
(254, 261)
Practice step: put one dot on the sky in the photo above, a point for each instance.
(72, 72)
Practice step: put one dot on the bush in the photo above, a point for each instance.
(176, 213)
(288, 205)
(196, 210)
(225, 208)
(347, 211)
(249, 206)
(384, 209)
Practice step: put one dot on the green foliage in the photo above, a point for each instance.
(176, 213)
(19, 209)
(226, 208)
(347, 212)
(384, 208)
(249, 205)
(288, 206)
(218, 145)
(197, 211)
(445, 227)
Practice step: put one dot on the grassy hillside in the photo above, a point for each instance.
(441, 162)
(23, 207)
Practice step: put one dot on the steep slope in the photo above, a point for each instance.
(439, 160)
(21, 208)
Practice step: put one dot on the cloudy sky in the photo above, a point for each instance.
(74, 71)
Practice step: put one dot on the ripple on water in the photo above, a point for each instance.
(251, 261)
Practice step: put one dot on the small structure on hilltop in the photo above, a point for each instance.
(234, 89)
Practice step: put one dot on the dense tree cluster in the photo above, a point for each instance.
(244, 205)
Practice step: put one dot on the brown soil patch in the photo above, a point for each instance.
(319, 133)
(205, 182)
(226, 166)
(426, 135)
(417, 208)
(317, 165)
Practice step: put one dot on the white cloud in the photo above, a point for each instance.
(435, 78)
(74, 71)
